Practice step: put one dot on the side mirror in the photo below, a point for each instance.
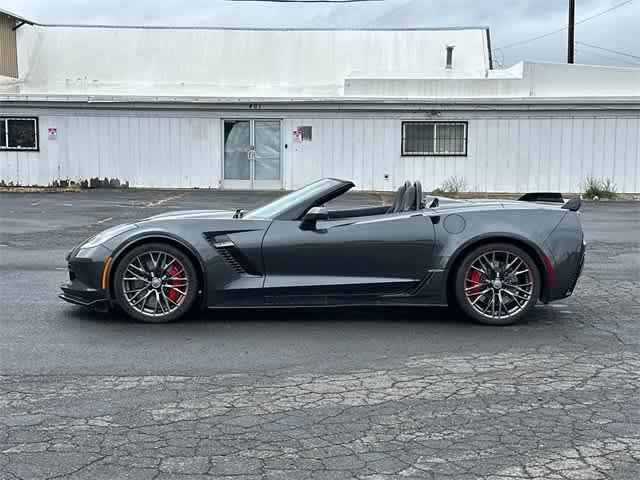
(312, 216)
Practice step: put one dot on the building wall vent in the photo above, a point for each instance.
(450, 56)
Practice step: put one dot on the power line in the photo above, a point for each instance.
(548, 34)
(581, 53)
(617, 52)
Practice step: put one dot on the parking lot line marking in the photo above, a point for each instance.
(163, 201)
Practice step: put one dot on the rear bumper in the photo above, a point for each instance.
(568, 275)
(574, 281)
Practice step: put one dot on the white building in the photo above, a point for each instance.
(276, 109)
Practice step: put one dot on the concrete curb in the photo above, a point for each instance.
(40, 190)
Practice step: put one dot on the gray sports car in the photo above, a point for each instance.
(493, 259)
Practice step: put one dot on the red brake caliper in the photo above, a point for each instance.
(475, 278)
(173, 294)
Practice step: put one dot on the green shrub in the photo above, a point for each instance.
(595, 189)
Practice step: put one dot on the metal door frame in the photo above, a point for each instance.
(251, 183)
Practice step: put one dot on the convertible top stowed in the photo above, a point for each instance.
(494, 258)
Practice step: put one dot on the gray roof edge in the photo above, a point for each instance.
(266, 29)
(106, 100)
(17, 17)
(239, 28)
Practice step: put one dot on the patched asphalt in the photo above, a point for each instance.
(375, 393)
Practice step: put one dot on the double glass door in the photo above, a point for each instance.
(252, 154)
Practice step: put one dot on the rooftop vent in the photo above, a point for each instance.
(450, 56)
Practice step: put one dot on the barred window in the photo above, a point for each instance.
(18, 133)
(434, 138)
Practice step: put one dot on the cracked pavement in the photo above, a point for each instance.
(369, 393)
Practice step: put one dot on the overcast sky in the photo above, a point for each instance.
(510, 20)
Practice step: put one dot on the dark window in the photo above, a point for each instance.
(417, 139)
(19, 133)
(434, 138)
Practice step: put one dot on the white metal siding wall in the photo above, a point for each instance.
(507, 151)
(517, 154)
(145, 151)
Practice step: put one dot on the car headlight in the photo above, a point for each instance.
(106, 235)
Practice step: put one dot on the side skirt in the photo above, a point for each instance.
(399, 303)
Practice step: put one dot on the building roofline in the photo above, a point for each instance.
(177, 101)
(265, 29)
(17, 17)
(239, 28)
(579, 65)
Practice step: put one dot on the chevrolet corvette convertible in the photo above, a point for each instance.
(492, 259)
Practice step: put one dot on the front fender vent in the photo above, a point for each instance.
(232, 255)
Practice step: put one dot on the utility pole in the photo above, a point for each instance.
(572, 32)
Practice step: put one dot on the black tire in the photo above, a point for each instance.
(167, 310)
(513, 295)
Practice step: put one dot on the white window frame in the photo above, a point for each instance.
(6, 146)
(435, 152)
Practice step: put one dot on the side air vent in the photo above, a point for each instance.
(231, 254)
(227, 254)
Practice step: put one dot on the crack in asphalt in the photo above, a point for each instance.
(511, 415)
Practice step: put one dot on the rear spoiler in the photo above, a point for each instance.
(542, 197)
(548, 197)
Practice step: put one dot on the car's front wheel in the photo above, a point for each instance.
(155, 283)
(497, 284)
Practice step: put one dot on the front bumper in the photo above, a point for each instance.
(86, 268)
(94, 300)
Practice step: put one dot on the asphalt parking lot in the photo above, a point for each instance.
(376, 393)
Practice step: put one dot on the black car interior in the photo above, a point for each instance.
(407, 198)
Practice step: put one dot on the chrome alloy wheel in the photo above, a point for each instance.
(498, 284)
(155, 283)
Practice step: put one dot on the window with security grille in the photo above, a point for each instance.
(18, 133)
(434, 139)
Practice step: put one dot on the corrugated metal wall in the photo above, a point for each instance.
(8, 53)
(507, 151)
(517, 154)
(144, 151)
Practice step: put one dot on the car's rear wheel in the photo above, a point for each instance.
(497, 284)
(155, 283)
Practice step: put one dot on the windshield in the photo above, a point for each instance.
(282, 204)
